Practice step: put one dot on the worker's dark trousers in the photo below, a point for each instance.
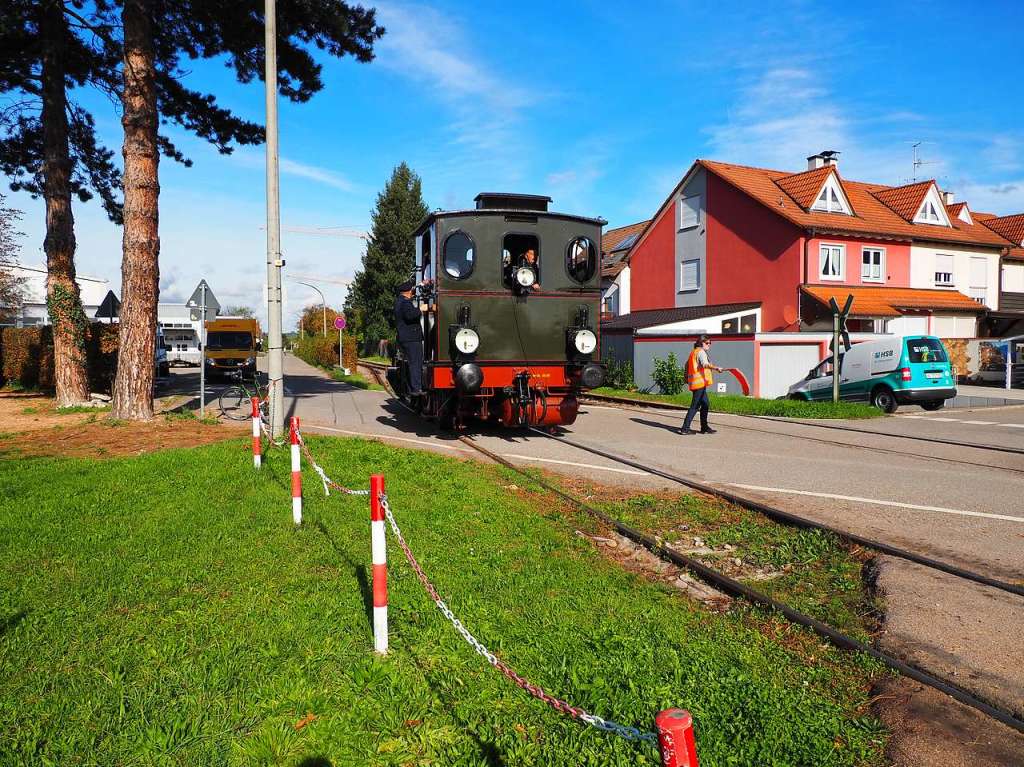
(414, 356)
(699, 402)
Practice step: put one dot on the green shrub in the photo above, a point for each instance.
(670, 378)
(320, 351)
(27, 359)
(619, 375)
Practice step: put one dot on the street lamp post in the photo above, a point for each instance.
(323, 302)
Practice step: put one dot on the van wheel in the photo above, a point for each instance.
(884, 399)
(935, 404)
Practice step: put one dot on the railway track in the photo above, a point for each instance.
(741, 590)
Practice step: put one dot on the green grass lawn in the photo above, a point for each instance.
(740, 405)
(355, 379)
(161, 609)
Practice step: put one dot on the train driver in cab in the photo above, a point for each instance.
(410, 333)
(527, 259)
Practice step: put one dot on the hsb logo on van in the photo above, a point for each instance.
(883, 354)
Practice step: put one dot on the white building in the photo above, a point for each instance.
(181, 333)
(33, 290)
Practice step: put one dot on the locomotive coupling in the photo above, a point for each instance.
(469, 378)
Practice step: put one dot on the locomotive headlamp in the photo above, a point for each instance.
(466, 340)
(526, 276)
(585, 341)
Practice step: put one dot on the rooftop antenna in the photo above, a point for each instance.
(918, 162)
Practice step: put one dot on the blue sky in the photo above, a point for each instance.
(602, 106)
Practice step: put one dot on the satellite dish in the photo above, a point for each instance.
(789, 314)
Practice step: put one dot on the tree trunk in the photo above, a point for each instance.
(140, 268)
(63, 301)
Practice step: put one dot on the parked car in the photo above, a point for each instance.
(160, 361)
(890, 372)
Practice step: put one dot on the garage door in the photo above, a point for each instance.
(782, 365)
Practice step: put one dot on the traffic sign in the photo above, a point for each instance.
(196, 302)
(339, 322)
(110, 308)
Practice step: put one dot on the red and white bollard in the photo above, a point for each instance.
(296, 473)
(380, 566)
(675, 738)
(257, 447)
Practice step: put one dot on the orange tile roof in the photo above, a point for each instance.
(804, 187)
(611, 265)
(887, 302)
(1010, 227)
(906, 200)
(1017, 254)
(871, 217)
(955, 208)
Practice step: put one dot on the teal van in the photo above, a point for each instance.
(901, 370)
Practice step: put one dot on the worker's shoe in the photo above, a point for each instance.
(687, 431)
(708, 430)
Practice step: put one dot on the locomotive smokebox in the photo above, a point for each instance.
(469, 378)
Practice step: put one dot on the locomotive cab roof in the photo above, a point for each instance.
(528, 206)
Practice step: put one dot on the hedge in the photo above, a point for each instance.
(26, 356)
(322, 351)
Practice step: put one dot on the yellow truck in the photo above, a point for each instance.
(231, 346)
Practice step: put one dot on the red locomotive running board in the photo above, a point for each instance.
(495, 377)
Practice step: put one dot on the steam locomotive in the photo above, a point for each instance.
(513, 332)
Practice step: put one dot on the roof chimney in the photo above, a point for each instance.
(947, 198)
(823, 158)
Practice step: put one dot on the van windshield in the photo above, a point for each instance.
(926, 350)
(229, 340)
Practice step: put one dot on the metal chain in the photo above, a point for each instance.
(328, 482)
(629, 733)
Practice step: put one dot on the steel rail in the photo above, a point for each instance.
(737, 589)
(773, 419)
(797, 521)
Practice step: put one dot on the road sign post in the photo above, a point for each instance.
(339, 323)
(839, 331)
(202, 304)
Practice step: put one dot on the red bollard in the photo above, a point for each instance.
(380, 566)
(257, 448)
(675, 738)
(296, 473)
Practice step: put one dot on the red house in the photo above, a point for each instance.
(913, 261)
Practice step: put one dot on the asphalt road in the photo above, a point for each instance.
(962, 505)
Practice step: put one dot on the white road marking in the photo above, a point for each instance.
(945, 420)
(912, 506)
(1014, 425)
(468, 450)
(572, 463)
(981, 423)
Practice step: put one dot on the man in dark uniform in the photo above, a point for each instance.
(410, 334)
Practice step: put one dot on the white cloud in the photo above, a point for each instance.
(314, 173)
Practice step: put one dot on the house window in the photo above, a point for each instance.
(611, 300)
(689, 275)
(831, 262)
(930, 213)
(872, 265)
(978, 287)
(689, 211)
(943, 270)
(829, 200)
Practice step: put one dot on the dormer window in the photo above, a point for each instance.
(831, 198)
(932, 211)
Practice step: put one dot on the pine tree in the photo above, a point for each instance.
(389, 258)
(132, 50)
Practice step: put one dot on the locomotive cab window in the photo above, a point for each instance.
(426, 256)
(581, 259)
(458, 255)
(520, 260)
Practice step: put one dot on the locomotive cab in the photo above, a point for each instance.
(514, 336)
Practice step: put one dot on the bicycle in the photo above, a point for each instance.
(235, 402)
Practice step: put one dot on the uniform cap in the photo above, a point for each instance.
(405, 286)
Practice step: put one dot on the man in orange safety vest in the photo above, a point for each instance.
(698, 377)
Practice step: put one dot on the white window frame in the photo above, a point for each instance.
(881, 265)
(835, 200)
(932, 204)
(842, 262)
(689, 211)
(683, 287)
(951, 274)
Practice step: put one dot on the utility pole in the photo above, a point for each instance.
(275, 356)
